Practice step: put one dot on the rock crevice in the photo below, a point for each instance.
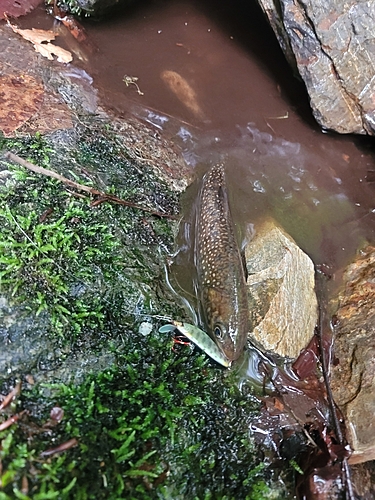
(333, 46)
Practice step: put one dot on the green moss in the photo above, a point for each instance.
(145, 430)
(70, 6)
(47, 232)
(151, 422)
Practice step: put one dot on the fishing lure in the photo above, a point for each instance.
(200, 338)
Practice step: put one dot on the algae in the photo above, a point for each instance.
(151, 420)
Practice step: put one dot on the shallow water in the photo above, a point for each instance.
(255, 116)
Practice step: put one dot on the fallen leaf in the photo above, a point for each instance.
(16, 8)
(75, 28)
(279, 405)
(20, 99)
(38, 38)
(48, 50)
(34, 35)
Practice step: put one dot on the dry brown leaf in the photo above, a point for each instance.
(279, 405)
(34, 35)
(48, 50)
(20, 99)
(38, 38)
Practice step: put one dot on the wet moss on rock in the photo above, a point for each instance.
(89, 7)
(76, 280)
(145, 430)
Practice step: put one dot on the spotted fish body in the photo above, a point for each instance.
(220, 273)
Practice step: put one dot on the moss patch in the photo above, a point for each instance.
(76, 282)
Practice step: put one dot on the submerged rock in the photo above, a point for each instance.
(95, 7)
(331, 43)
(353, 370)
(184, 92)
(282, 300)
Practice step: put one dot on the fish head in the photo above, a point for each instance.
(228, 331)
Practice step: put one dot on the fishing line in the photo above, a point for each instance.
(349, 493)
(182, 298)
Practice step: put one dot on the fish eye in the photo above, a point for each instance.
(218, 332)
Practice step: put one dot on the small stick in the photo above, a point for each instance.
(9, 422)
(103, 196)
(60, 448)
(10, 396)
(349, 493)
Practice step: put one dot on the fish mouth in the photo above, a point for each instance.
(230, 351)
(227, 346)
(228, 335)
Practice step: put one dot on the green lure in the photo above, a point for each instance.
(200, 338)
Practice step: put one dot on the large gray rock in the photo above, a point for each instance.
(353, 371)
(332, 44)
(282, 300)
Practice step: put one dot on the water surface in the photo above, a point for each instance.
(255, 116)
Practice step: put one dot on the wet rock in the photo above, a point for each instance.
(282, 301)
(332, 45)
(96, 7)
(61, 96)
(363, 478)
(353, 370)
(27, 346)
(27, 105)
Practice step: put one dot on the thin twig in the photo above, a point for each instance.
(349, 493)
(103, 197)
(7, 399)
(325, 369)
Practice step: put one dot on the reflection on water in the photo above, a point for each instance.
(253, 372)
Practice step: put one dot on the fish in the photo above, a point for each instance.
(200, 338)
(184, 92)
(220, 282)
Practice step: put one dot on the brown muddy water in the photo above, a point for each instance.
(212, 77)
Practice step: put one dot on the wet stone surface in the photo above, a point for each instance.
(353, 368)
(332, 46)
(282, 300)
